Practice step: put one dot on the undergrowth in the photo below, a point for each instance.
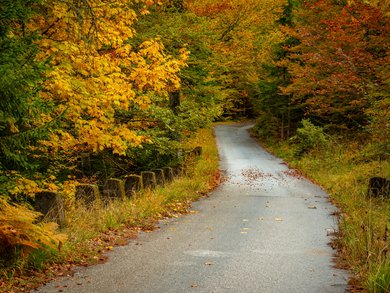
(344, 169)
(91, 231)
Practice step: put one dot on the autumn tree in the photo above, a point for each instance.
(98, 80)
(198, 101)
(72, 84)
(245, 33)
(338, 68)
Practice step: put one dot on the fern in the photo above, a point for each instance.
(18, 229)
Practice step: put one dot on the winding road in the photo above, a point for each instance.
(265, 229)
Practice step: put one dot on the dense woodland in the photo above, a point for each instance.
(123, 85)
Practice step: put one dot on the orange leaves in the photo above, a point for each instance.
(208, 9)
(18, 228)
(335, 64)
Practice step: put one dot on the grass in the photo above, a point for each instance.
(343, 170)
(95, 230)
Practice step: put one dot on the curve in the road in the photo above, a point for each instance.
(265, 229)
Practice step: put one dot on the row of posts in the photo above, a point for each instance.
(51, 204)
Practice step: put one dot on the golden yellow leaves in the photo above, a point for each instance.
(25, 186)
(18, 228)
(154, 70)
(95, 73)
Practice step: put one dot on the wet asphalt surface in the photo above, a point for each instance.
(265, 229)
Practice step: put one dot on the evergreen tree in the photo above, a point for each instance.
(20, 78)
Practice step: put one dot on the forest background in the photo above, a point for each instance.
(127, 84)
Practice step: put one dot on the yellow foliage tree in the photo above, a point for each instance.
(96, 72)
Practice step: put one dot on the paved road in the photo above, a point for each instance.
(263, 230)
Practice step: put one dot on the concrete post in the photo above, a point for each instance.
(114, 189)
(160, 177)
(87, 194)
(133, 184)
(168, 174)
(51, 205)
(149, 179)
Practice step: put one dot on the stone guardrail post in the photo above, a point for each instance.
(148, 179)
(160, 177)
(379, 187)
(178, 171)
(51, 205)
(168, 174)
(133, 184)
(114, 189)
(87, 194)
(197, 151)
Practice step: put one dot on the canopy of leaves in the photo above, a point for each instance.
(332, 65)
(121, 85)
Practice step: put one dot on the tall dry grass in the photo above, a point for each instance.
(96, 229)
(343, 169)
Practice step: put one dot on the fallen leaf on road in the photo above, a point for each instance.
(194, 286)
(311, 207)
(330, 232)
(208, 263)
(278, 219)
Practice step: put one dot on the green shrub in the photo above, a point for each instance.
(267, 127)
(308, 137)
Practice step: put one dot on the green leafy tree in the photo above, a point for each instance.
(272, 105)
(20, 79)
